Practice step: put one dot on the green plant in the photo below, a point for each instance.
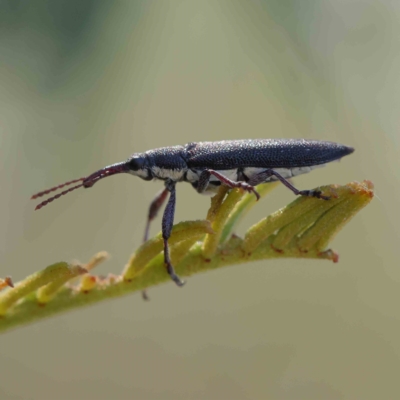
(302, 229)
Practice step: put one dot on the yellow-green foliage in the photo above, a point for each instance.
(302, 229)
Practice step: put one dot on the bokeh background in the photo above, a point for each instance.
(85, 83)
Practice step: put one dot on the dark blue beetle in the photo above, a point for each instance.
(206, 165)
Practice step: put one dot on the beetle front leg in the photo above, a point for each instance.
(155, 206)
(261, 177)
(204, 180)
(167, 223)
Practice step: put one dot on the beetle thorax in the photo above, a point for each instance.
(164, 163)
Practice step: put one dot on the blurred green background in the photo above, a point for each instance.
(85, 83)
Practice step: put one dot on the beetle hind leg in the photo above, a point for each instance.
(263, 176)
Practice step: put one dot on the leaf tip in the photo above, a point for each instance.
(329, 255)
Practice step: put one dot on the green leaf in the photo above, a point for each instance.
(302, 229)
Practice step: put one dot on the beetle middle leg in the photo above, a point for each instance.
(204, 181)
(263, 176)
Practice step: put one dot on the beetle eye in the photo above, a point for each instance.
(135, 163)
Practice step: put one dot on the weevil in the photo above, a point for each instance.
(206, 165)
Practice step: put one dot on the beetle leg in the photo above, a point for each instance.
(261, 177)
(167, 223)
(155, 206)
(204, 180)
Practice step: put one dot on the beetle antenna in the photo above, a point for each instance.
(87, 182)
(49, 200)
(44, 192)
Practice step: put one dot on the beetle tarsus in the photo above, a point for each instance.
(314, 193)
(248, 188)
(145, 297)
(171, 272)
